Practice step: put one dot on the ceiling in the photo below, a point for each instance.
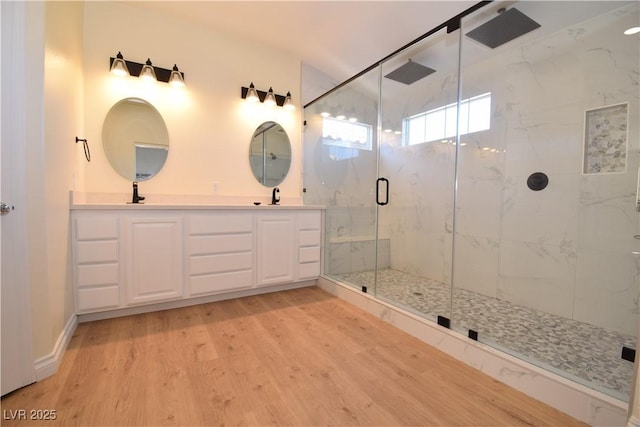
(339, 38)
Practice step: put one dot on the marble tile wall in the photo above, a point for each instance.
(565, 250)
(352, 256)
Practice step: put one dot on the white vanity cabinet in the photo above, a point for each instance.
(139, 255)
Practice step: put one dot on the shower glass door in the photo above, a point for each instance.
(546, 187)
(340, 171)
(419, 90)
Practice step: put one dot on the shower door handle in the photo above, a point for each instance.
(386, 195)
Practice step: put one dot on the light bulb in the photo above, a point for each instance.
(175, 79)
(288, 104)
(270, 99)
(147, 73)
(119, 67)
(252, 95)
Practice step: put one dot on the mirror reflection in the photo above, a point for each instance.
(270, 154)
(135, 139)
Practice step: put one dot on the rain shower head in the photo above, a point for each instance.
(410, 73)
(508, 25)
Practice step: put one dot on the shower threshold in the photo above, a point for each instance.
(583, 353)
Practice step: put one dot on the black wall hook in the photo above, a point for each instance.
(85, 144)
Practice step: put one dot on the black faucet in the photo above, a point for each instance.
(275, 196)
(136, 198)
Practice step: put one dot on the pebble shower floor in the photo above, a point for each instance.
(587, 354)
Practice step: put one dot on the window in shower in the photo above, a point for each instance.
(346, 133)
(440, 123)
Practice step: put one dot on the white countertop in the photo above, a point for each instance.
(155, 206)
(109, 201)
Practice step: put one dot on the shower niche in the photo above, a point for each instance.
(458, 123)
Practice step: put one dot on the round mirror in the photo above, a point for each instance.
(135, 139)
(270, 154)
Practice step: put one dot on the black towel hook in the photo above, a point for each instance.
(85, 144)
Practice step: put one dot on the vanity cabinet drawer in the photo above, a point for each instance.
(309, 254)
(219, 244)
(101, 251)
(310, 270)
(221, 282)
(220, 263)
(98, 298)
(100, 227)
(309, 238)
(309, 220)
(97, 275)
(221, 223)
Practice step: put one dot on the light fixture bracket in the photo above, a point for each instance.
(162, 74)
(262, 95)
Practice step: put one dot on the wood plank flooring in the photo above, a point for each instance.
(297, 358)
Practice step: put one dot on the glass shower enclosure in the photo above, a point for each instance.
(485, 177)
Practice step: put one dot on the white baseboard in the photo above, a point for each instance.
(48, 365)
(633, 422)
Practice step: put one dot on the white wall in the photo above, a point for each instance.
(64, 113)
(210, 126)
(54, 113)
(315, 83)
(35, 205)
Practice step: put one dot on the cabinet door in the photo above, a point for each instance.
(276, 248)
(154, 258)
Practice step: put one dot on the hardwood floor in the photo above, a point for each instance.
(300, 357)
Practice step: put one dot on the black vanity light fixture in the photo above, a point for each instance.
(146, 71)
(269, 98)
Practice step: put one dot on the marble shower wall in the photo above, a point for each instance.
(565, 250)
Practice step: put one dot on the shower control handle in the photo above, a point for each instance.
(386, 186)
